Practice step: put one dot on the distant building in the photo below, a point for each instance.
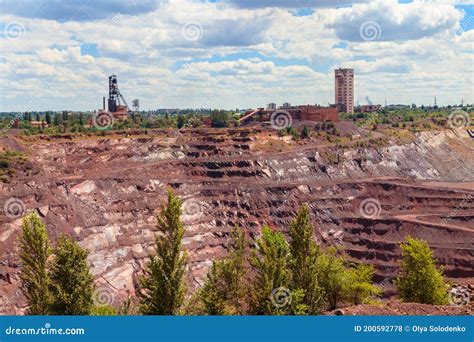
(315, 113)
(300, 113)
(398, 106)
(286, 105)
(371, 108)
(344, 90)
(39, 124)
(271, 106)
(121, 112)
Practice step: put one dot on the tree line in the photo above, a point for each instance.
(271, 276)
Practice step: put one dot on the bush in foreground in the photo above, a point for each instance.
(419, 279)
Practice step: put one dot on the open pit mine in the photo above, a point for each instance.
(365, 196)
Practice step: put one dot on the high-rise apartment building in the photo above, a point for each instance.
(344, 81)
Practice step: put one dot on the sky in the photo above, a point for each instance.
(57, 55)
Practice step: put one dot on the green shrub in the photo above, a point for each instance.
(344, 282)
(106, 310)
(305, 132)
(419, 279)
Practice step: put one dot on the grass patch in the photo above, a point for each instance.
(9, 162)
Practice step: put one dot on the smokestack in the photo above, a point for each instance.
(103, 103)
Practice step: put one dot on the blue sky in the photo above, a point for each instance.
(233, 53)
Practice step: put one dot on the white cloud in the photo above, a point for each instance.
(386, 20)
(245, 57)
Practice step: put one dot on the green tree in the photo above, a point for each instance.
(162, 285)
(58, 120)
(419, 279)
(305, 132)
(224, 291)
(332, 277)
(72, 284)
(48, 118)
(219, 118)
(180, 121)
(34, 252)
(27, 116)
(270, 262)
(304, 261)
(360, 287)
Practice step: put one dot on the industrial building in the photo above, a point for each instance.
(344, 87)
(272, 106)
(301, 113)
(344, 102)
(344, 90)
(370, 108)
(114, 103)
(344, 93)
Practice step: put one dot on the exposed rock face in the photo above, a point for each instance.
(105, 191)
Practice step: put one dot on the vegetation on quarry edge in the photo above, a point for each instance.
(51, 123)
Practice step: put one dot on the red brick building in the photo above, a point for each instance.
(314, 113)
(299, 113)
(368, 108)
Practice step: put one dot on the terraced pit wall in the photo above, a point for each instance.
(104, 192)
